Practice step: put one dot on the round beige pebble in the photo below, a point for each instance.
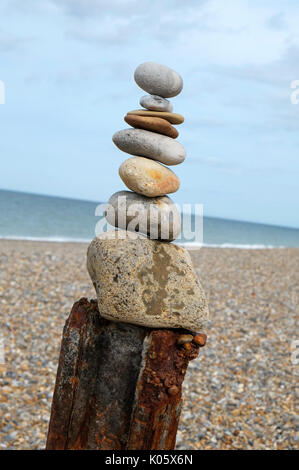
(147, 177)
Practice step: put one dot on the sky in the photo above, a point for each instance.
(68, 66)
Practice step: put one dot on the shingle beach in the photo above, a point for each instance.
(238, 394)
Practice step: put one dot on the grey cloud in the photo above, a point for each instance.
(110, 32)
(112, 38)
(276, 73)
(161, 21)
(89, 8)
(9, 42)
(277, 21)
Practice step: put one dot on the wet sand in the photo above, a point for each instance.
(238, 394)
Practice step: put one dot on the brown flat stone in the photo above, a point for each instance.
(154, 124)
(174, 118)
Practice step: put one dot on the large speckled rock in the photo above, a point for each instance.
(156, 103)
(158, 79)
(147, 177)
(157, 217)
(150, 144)
(154, 124)
(145, 282)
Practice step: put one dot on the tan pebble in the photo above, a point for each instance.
(184, 339)
(147, 177)
(154, 124)
(174, 118)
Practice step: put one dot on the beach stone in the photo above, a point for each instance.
(154, 124)
(174, 118)
(184, 339)
(147, 177)
(156, 103)
(158, 217)
(145, 282)
(150, 144)
(157, 79)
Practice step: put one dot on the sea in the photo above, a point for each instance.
(25, 216)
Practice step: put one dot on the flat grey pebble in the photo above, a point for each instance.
(156, 103)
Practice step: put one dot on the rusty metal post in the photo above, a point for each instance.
(118, 386)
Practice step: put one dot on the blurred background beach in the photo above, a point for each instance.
(67, 79)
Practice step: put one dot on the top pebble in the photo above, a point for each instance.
(157, 79)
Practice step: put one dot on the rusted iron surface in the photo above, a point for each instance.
(118, 386)
(95, 385)
(158, 396)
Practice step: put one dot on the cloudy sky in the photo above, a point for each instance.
(68, 70)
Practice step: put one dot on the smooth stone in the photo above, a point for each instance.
(158, 217)
(147, 177)
(150, 144)
(145, 282)
(153, 124)
(183, 339)
(156, 103)
(157, 79)
(174, 118)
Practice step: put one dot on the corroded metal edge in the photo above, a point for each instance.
(118, 386)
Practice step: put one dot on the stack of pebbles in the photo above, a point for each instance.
(152, 142)
(139, 278)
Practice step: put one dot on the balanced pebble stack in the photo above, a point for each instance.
(142, 278)
(152, 142)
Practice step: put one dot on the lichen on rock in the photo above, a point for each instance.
(145, 282)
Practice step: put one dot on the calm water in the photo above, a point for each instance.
(28, 216)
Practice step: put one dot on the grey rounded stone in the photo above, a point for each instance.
(157, 79)
(145, 282)
(156, 103)
(158, 218)
(150, 144)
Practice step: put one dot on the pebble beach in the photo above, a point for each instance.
(240, 393)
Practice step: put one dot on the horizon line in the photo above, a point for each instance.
(101, 202)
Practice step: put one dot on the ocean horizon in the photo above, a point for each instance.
(34, 217)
